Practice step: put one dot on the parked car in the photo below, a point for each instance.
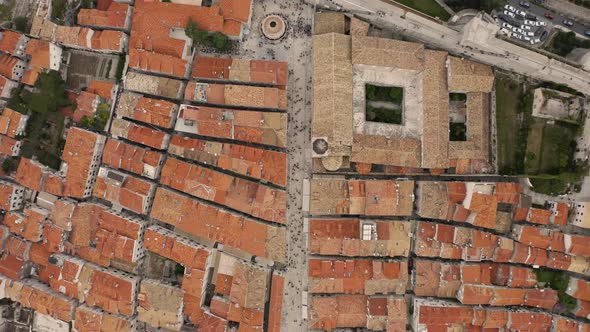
(525, 38)
(525, 27)
(517, 30)
(506, 25)
(505, 31)
(511, 14)
(528, 33)
(520, 12)
(536, 40)
(531, 17)
(524, 4)
(540, 24)
(510, 8)
(519, 37)
(587, 33)
(549, 15)
(528, 22)
(569, 23)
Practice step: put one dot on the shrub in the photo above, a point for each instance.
(20, 24)
(8, 165)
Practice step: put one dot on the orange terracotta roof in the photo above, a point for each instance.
(529, 321)
(157, 112)
(42, 299)
(276, 303)
(246, 196)
(7, 64)
(237, 95)
(248, 126)
(9, 41)
(541, 298)
(539, 216)
(86, 104)
(132, 158)
(158, 63)
(238, 10)
(102, 88)
(79, 153)
(212, 223)
(485, 207)
(108, 40)
(9, 196)
(114, 17)
(508, 192)
(357, 276)
(560, 214)
(35, 176)
(579, 289)
(28, 224)
(339, 311)
(153, 138)
(100, 235)
(256, 71)
(89, 319)
(577, 245)
(254, 162)
(39, 51)
(132, 193)
(31, 76)
(152, 21)
(12, 122)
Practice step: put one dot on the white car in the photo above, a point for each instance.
(505, 31)
(536, 40)
(529, 22)
(517, 30)
(520, 37)
(540, 24)
(532, 41)
(511, 14)
(520, 12)
(525, 27)
(526, 38)
(506, 25)
(510, 8)
(528, 33)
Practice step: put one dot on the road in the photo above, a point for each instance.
(558, 20)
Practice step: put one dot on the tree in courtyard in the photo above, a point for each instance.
(8, 165)
(198, 35)
(50, 95)
(221, 42)
(20, 23)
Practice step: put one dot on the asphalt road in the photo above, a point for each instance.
(558, 20)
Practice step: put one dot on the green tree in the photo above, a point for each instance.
(50, 95)
(221, 42)
(87, 122)
(198, 35)
(8, 165)
(20, 24)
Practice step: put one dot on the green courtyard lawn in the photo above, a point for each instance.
(508, 94)
(428, 7)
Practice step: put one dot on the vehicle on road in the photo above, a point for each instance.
(587, 33)
(511, 14)
(567, 22)
(549, 15)
(510, 8)
(524, 4)
(520, 12)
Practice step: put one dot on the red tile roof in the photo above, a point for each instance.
(248, 126)
(89, 319)
(39, 51)
(81, 153)
(33, 175)
(9, 41)
(114, 17)
(28, 224)
(237, 95)
(238, 10)
(141, 134)
(131, 193)
(10, 121)
(132, 158)
(158, 112)
(102, 88)
(256, 71)
(7, 64)
(245, 196)
(276, 303)
(254, 162)
(9, 196)
(212, 223)
(86, 104)
(157, 63)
